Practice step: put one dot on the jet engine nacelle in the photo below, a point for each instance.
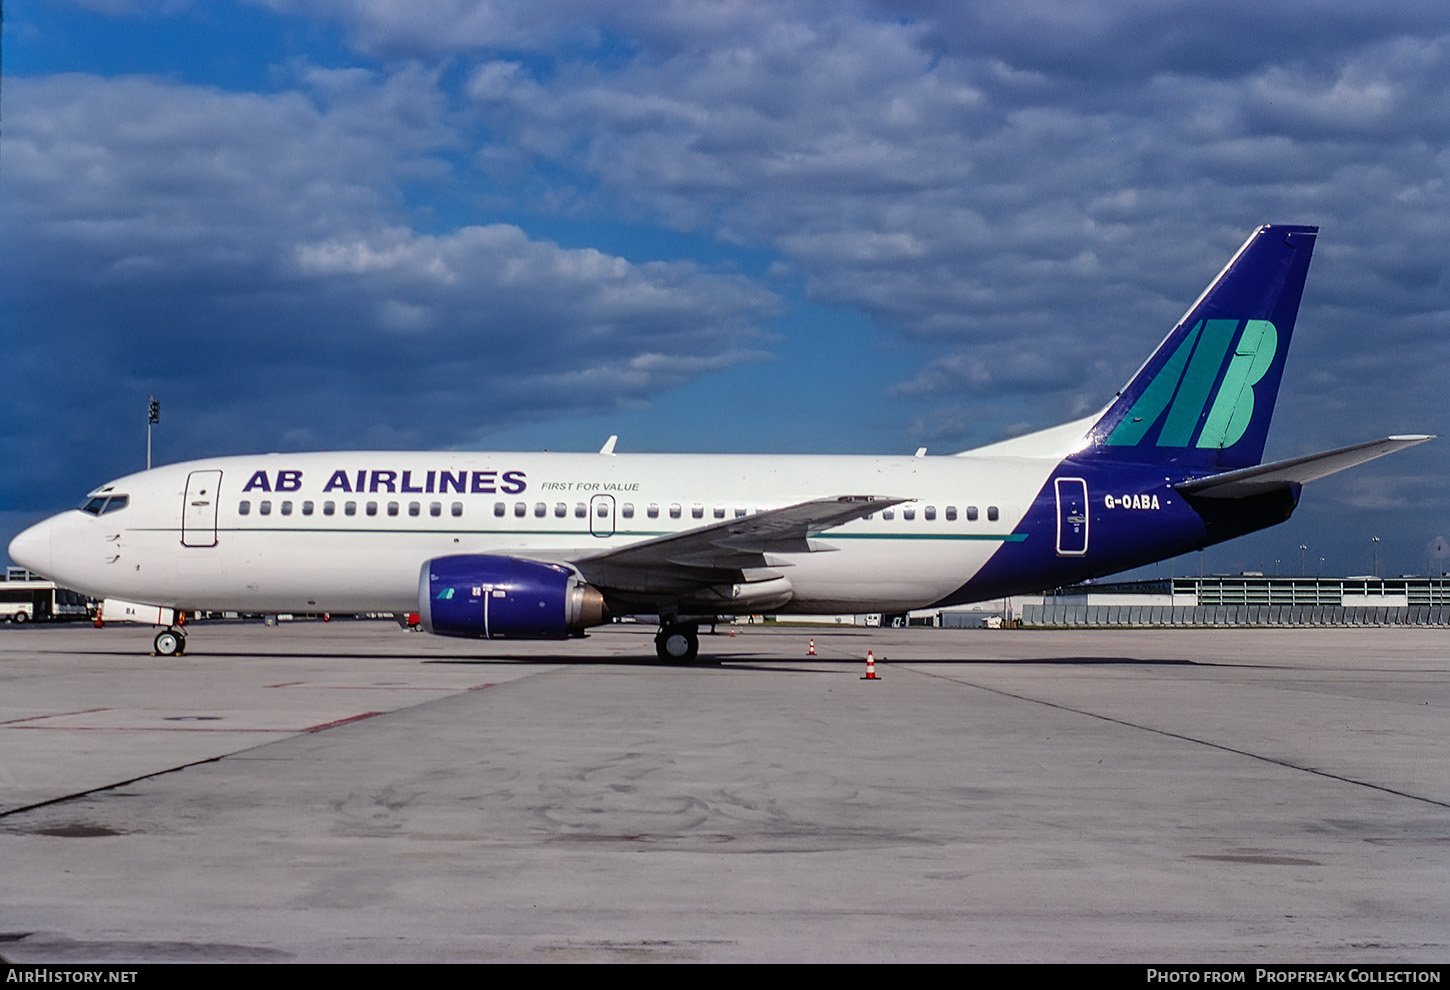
(483, 596)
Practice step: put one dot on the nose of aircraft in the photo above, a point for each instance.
(31, 547)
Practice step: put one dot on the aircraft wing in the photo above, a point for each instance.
(720, 551)
(1296, 471)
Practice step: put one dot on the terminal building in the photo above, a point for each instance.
(1228, 600)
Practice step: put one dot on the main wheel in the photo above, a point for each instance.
(169, 643)
(678, 644)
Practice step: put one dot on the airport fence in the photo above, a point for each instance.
(1054, 616)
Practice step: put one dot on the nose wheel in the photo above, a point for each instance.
(678, 643)
(170, 643)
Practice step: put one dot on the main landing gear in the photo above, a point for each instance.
(678, 642)
(170, 643)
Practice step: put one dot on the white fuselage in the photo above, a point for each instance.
(348, 532)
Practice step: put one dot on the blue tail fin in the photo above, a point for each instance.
(1205, 397)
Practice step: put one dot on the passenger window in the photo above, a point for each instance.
(888, 513)
(992, 513)
(307, 508)
(435, 508)
(601, 510)
(719, 512)
(457, 508)
(908, 512)
(929, 513)
(287, 508)
(627, 510)
(971, 513)
(244, 509)
(952, 513)
(265, 508)
(392, 508)
(697, 511)
(500, 509)
(328, 508)
(349, 508)
(372, 508)
(674, 510)
(541, 509)
(653, 510)
(415, 509)
(521, 509)
(580, 510)
(740, 512)
(560, 510)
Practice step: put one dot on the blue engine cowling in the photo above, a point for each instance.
(482, 596)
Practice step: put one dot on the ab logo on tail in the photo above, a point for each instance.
(1175, 399)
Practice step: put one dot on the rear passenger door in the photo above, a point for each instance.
(1072, 517)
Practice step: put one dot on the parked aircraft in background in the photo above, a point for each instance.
(543, 545)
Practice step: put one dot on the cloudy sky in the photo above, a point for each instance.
(719, 225)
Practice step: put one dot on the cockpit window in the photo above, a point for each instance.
(102, 504)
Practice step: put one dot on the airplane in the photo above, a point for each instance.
(546, 545)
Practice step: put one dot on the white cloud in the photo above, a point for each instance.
(1039, 175)
(253, 257)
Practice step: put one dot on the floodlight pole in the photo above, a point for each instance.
(153, 416)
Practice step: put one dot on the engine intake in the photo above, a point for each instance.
(485, 596)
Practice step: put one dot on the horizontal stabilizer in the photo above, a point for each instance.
(1295, 471)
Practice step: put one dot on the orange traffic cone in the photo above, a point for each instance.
(870, 667)
(812, 651)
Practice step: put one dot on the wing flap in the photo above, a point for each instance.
(718, 552)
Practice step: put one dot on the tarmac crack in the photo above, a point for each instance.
(1170, 734)
(110, 787)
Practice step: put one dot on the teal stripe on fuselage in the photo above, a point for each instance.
(827, 535)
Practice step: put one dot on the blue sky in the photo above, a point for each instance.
(720, 226)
